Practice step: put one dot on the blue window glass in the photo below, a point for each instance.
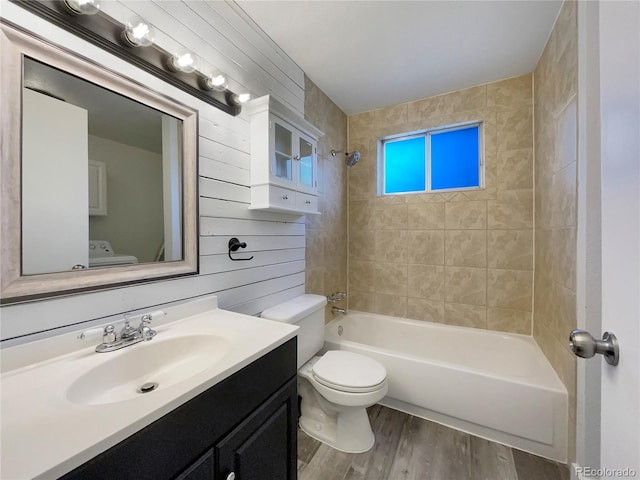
(404, 165)
(454, 159)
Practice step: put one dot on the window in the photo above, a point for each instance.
(446, 158)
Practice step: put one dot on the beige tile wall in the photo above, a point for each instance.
(326, 234)
(555, 137)
(461, 258)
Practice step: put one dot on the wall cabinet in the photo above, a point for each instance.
(284, 159)
(245, 425)
(97, 188)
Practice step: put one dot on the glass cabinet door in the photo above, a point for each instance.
(306, 176)
(283, 152)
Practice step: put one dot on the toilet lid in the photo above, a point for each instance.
(349, 371)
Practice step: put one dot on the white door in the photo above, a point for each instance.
(55, 174)
(620, 165)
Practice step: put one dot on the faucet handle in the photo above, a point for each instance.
(108, 334)
(147, 317)
(91, 334)
(145, 320)
(147, 332)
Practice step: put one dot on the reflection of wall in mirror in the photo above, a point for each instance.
(135, 223)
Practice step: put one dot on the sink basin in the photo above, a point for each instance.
(162, 362)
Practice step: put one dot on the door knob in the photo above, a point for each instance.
(583, 345)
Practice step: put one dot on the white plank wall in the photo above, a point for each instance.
(204, 28)
(224, 37)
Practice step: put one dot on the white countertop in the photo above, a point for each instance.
(45, 435)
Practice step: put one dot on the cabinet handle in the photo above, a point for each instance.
(285, 197)
(296, 157)
(308, 202)
(231, 476)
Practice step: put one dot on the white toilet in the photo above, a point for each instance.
(336, 387)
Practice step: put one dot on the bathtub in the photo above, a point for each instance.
(494, 385)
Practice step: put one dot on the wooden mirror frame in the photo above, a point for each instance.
(14, 287)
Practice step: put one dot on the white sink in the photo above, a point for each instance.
(60, 411)
(160, 362)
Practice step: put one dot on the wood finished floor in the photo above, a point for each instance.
(410, 448)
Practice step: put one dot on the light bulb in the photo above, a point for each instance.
(83, 7)
(138, 33)
(237, 99)
(184, 61)
(216, 81)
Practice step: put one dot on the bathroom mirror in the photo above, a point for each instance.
(98, 175)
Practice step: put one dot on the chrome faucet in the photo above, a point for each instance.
(335, 310)
(111, 341)
(336, 297)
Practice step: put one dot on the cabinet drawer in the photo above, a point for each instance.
(307, 203)
(282, 197)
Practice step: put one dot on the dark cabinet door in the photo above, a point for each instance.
(263, 446)
(201, 469)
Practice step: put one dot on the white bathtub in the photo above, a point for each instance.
(495, 385)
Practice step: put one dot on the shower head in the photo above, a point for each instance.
(352, 158)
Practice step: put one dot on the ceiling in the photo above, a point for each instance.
(371, 54)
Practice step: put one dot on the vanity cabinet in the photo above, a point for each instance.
(284, 159)
(245, 425)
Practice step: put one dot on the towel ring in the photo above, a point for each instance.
(234, 245)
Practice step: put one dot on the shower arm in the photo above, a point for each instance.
(352, 158)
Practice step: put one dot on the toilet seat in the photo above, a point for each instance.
(349, 372)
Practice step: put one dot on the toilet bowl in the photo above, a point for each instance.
(334, 406)
(337, 387)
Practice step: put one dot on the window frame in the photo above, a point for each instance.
(427, 133)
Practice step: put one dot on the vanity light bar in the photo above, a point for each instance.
(179, 69)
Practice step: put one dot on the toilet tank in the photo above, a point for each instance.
(306, 312)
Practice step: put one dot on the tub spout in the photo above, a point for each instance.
(338, 310)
